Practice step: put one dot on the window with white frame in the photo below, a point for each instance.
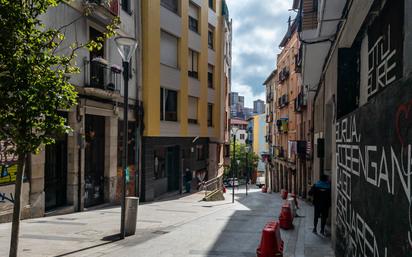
(210, 115)
(210, 37)
(193, 105)
(193, 17)
(210, 72)
(193, 63)
(168, 104)
(171, 5)
(168, 49)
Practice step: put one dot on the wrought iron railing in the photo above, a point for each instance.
(98, 74)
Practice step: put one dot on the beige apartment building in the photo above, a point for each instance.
(186, 83)
(83, 169)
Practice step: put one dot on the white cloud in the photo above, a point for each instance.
(247, 92)
(258, 27)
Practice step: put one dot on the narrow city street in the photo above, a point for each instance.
(176, 226)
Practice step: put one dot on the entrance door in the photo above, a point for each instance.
(94, 161)
(172, 168)
(55, 174)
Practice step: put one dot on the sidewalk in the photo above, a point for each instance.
(60, 235)
(175, 226)
(301, 242)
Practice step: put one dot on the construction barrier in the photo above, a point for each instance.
(286, 216)
(271, 244)
(284, 194)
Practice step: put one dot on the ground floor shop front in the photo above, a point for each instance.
(81, 170)
(168, 161)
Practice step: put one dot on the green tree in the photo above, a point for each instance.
(34, 83)
(248, 160)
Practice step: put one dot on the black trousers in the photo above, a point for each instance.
(322, 213)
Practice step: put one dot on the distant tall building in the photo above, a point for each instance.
(248, 112)
(258, 106)
(241, 102)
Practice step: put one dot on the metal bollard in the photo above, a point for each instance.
(132, 204)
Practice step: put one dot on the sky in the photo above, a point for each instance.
(258, 28)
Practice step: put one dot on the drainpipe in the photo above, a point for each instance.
(138, 35)
(320, 18)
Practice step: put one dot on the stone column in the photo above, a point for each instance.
(75, 161)
(37, 200)
(110, 160)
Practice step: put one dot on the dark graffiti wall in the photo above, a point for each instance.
(374, 175)
(374, 149)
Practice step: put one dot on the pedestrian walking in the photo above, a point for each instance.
(321, 192)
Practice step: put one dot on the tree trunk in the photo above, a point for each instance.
(14, 241)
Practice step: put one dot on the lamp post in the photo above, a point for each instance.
(126, 47)
(247, 166)
(234, 131)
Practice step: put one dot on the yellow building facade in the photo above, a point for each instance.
(186, 49)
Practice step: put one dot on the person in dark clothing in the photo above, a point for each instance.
(321, 192)
(188, 180)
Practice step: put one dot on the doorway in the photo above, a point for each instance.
(94, 160)
(55, 174)
(172, 168)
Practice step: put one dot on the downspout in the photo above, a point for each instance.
(320, 19)
(138, 24)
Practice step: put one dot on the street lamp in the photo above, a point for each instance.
(234, 132)
(126, 47)
(247, 165)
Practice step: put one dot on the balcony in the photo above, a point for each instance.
(283, 74)
(300, 102)
(283, 101)
(99, 75)
(103, 10)
(282, 125)
(269, 118)
(269, 97)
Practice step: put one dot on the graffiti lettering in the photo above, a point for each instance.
(381, 64)
(386, 167)
(371, 162)
(4, 198)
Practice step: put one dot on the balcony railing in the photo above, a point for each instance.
(110, 5)
(98, 74)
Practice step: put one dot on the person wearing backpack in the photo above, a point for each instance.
(322, 199)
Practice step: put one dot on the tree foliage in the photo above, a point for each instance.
(34, 81)
(248, 160)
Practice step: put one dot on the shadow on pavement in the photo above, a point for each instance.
(108, 240)
(242, 232)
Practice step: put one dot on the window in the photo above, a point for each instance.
(210, 36)
(211, 4)
(193, 103)
(126, 6)
(315, 5)
(193, 64)
(200, 153)
(210, 115)
(131, 152)
(160, 163)
(210, 71)
(193, 17)
(168, 104)
(168, 49)
(242, 136)
(171, 5)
